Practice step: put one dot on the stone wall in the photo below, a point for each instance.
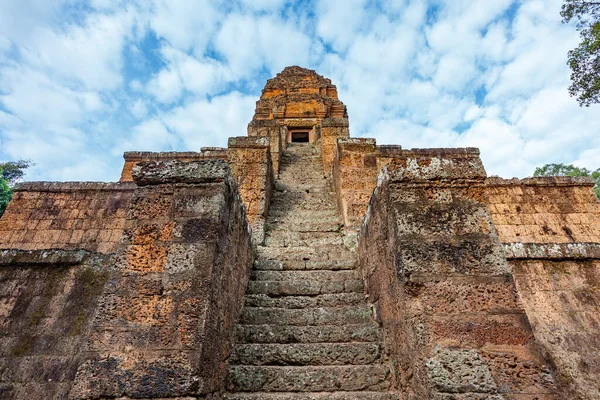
(277, 135)
(354, 178)
(250, 161)
(544, 210)
(332, 129)
(435, 271)
(155, 318)
(47, 300)
(356, 164)
(72, 215)
(551, 231)
(134, 157)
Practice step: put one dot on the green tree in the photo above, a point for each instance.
(584, 60)
(569, 170)
(13, 171)
(5, 193)
(10, 173)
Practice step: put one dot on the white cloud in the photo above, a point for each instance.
(338, 21)
(166, 86)
(211, 122)
(248, 42)
(37, 99)
(187, 25)
(138, 108)
(19, 18)
(263, 5)
(152, 135)
(184, 72)
(90, 54)
(179, 75)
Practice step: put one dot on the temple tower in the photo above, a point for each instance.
(300, 106)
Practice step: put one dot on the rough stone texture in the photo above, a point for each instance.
(72, 215)
(165, 319)
(306, 330)
(156, 318)
(460, 371)
(551, 230)
(544, 210)
(176, 171)
(354, 177)
(442, 289)
(357, 163)
(250, 161)
(300, 98)
(249, 158)
(332, 129)
(562, 298)
(299, 93)
(277, 135)
(134, 157)
(47, 302)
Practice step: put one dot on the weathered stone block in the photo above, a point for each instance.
(460, 371)
(175, 171)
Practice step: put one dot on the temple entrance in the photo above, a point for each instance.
(300, 137)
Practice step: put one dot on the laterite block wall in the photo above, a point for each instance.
(153, 317)
(435, 270)
(551, 233)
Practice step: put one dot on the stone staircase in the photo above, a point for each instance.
(306, 331)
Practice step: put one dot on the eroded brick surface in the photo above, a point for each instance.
(562, 298)
(153, 320)
(443, 291)
(46, 309)
(544, 210)
(49, 215)
(165, 321)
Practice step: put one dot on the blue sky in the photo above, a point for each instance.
(83, 81)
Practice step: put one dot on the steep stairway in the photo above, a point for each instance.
(306, 331)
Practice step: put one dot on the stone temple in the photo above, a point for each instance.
(301, 263)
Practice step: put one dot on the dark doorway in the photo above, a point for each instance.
(299, 137)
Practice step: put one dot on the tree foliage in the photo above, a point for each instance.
(13, 171)
(569, 170)
(584, 60)
(10, 173)
(5, 193)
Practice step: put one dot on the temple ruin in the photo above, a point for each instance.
(301, 263)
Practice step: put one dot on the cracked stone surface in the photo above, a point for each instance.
(306, 331)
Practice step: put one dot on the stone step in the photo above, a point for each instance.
(315, 253)
(306, 316)
(316, 178)
(310, 163)
(304, 288)
(364, 395)
(308, 379)
(318, 276)
(310, 202)
(281, 238)
(305, 226)
(295, 265)
(303, 220)
(323, 300)
(276, 333)
(306, 354)
(308, 186)
(300, 148)
(292, 195)
(284, 212)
